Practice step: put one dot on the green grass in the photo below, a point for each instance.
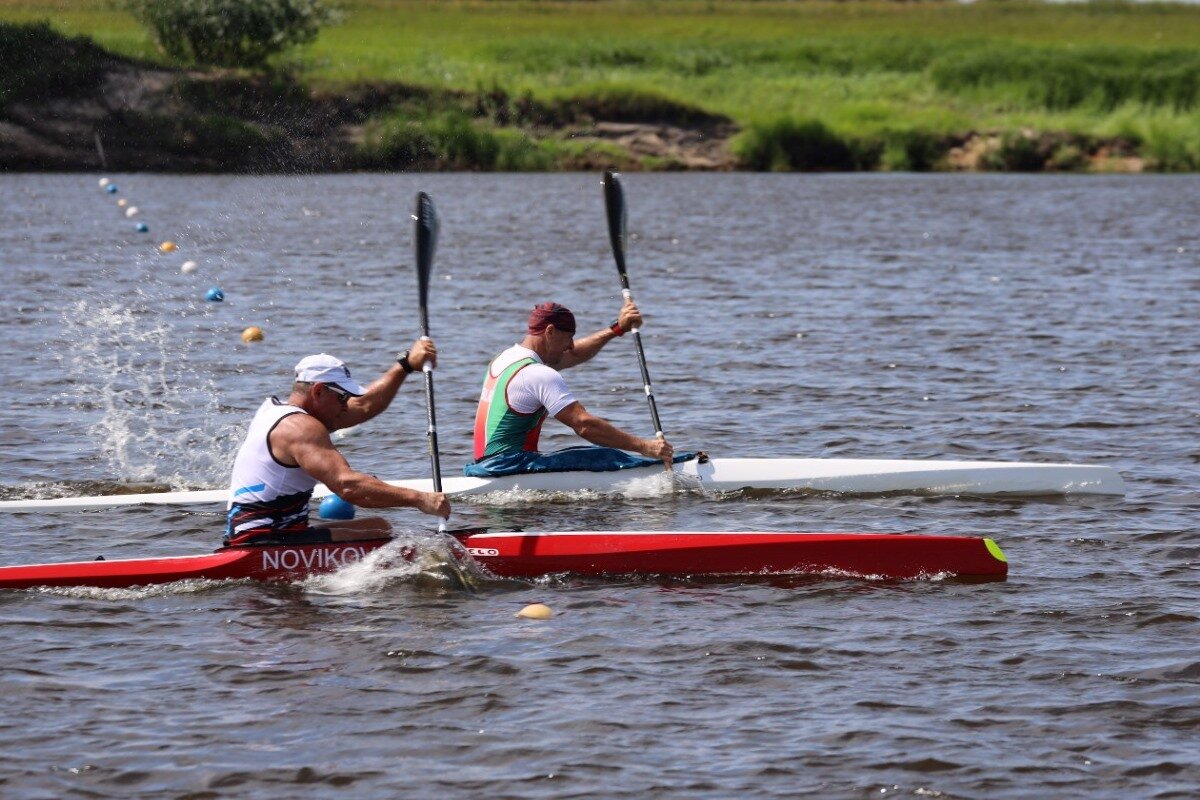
(884, 78)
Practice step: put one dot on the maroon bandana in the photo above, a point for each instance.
(551, 314)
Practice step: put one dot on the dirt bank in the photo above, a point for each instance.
(144, 118)
(66, 104)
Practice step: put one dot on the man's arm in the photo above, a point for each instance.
(382, 390)
(604, 433)
(303, 439)
(590, 345)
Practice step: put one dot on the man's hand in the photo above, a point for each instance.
(630, 317)
(434, 504)
(658, 448)
(422, 350)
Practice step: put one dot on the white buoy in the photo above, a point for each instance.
(122, 203)
(104, 182)
(131, 211)
(188, 267)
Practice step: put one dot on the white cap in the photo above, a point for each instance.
(324, 368)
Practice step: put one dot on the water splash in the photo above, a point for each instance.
(196, 586)
(133, 367)
(402, 559)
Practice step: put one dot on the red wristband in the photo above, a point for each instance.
(617, 329)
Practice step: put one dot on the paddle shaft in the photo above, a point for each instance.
(614, 205)
(426, 244)
(434, 460)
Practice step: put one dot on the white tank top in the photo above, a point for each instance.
(535, 387)
(257, 476)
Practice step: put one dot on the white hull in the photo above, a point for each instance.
(884, 476)
(834, 475)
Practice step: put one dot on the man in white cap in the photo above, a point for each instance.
(288, 451)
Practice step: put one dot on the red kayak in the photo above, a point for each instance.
(530, 555)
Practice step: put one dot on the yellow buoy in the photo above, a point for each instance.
(168, 247)
(252, 334)
(536, 611)
(122, 203)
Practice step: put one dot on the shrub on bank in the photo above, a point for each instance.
(614, 103)
(912, 151)
(1016, 153)
(37, 61)
(230, 33)
(1172, 146)
(786, 144)
(1067, 157)
(608, 102)
(449, 141)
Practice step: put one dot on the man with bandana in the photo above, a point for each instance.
(523, 386)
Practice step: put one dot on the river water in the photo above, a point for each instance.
(882, 316)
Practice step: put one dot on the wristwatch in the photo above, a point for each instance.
(402, 360)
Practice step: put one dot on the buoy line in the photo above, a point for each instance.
(215, 294)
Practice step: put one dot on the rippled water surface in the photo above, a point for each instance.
(988, 317)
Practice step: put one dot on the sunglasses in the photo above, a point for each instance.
(341, 394)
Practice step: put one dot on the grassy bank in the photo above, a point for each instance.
(812, 85)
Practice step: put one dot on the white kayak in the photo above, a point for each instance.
(833, 475)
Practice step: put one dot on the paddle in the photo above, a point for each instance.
(614, 205)
(426, 243)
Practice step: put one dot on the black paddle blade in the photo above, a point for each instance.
(614, 204)
(426, 244)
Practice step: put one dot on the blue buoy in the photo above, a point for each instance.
(214, 295)
(334, 507)
(111, 188)
(142, 227)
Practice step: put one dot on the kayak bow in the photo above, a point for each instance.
(717, 553)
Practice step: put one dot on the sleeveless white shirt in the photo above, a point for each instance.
(257, 476)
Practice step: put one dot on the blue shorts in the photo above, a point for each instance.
(572, 459)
